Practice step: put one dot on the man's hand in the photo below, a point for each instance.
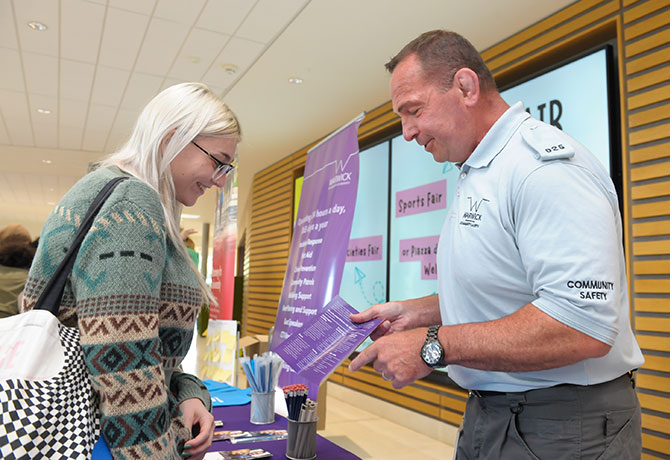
(401, 315)
(395, 357)
(392, 312)
(195, 413)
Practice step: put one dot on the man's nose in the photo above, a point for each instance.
(409, 131)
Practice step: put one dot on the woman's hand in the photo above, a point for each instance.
(195, 413)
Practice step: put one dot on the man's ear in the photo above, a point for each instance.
(467, 82)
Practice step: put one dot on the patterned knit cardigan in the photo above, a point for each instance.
(135, 301)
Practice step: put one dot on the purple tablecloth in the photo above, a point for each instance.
(237, 418)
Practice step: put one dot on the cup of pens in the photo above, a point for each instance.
(302, 418)
(262, 374)
(262, 408)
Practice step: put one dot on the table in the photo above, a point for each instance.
(237, 418)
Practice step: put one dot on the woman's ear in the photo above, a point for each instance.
(167, 139)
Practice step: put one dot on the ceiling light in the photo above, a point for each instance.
(295, 80)
(190, 216)
(193, 59)
(44, 111)
(46, 162)
(230, 69)
(35, 25)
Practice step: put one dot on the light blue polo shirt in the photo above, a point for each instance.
(523, 229)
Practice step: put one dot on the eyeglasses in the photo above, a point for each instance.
(221, 168)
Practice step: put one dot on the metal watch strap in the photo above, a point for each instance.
(432, 332)
(431, 336)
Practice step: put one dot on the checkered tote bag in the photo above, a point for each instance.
(48, 409)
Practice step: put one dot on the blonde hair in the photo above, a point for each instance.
(168, 123)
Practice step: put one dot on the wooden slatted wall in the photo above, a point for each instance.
(646, 50)
(642, 32)
(268, 242)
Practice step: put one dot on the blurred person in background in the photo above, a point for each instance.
(16, 254)
(190, 244)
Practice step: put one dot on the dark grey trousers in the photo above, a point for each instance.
(559, 423)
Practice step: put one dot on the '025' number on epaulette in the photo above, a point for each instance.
(554, 148)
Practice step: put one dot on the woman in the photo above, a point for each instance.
(134, 293)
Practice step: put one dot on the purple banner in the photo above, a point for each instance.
(320, 238)
(424, 198)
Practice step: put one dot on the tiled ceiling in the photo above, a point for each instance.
(99, 61)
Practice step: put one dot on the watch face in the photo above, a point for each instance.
(431, 353)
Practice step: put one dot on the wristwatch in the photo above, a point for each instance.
(432, 352)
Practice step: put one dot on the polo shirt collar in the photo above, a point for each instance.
(497, 137)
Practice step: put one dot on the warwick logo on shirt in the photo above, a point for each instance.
(473, 217)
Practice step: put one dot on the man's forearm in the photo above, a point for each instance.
(527, 340)
(426, 310)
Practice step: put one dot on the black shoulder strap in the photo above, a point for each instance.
(53, 292)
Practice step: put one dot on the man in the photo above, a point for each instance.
(532, 299)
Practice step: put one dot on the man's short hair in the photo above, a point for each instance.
(442, 53)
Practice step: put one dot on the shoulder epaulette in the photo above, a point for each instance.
(546, 143)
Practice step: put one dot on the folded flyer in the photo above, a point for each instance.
(241, 454)
(237, 436)
(325, 342)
